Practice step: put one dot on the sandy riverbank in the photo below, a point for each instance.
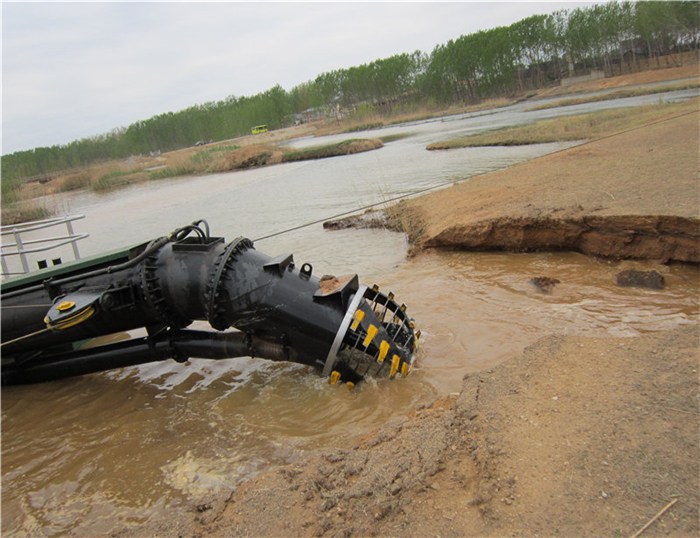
(630, 195)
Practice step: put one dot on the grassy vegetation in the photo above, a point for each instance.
(619, 94)
(174, 171)
(394, 137)
(365, 127)
(207, 155)
(346, 147)
(110, 180)
(217, 149)
(23, 212)
(579, 127)
(76, 181)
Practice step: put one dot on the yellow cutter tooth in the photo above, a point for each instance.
(335, 377)
(404, 369)
(383, 350)
(350, 385)
(371, 333)
(359, 316)
(395, 360)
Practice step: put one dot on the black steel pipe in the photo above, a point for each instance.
(178, 345)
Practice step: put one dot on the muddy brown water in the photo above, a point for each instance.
(107, 451)
(110, 451)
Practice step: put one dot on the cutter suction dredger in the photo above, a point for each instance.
(257, 306)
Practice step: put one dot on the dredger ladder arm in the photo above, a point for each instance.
(256, 305)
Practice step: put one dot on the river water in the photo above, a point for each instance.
(110, 451)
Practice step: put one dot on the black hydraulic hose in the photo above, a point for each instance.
(180, 234)
(206, 226)
(152, 247)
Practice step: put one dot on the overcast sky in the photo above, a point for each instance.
(74, 70)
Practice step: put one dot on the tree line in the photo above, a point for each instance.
(534, 52)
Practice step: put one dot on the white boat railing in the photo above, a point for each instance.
(25, 246)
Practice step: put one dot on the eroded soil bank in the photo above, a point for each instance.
(631, 195)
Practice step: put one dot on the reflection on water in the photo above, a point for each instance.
(104, 452)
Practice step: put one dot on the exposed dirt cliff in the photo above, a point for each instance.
(631, 195)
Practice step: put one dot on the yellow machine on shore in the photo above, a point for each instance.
(259, 129)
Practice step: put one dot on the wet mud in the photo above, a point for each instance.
(511, 453)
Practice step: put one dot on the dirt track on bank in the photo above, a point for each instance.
(578, 436)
